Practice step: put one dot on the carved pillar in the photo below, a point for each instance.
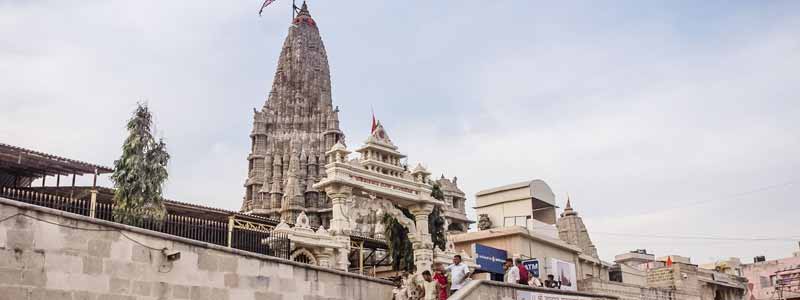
(339, 195)
(325, 257)
(423, 246)
(342, 254)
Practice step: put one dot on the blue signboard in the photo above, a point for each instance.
(532, 265)
(490, 259)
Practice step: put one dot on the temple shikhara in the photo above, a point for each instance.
(299, 159)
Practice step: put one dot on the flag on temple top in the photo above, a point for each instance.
(669, 261)
(374, 124)
(266, 2)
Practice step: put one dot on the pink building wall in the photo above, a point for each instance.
(761, 277)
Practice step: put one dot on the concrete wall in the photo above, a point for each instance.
(498, 212)
(630, 291)
(759, 274)
(107, 261)
(633, 275)
(591, 269)
(493, 290)
(679, 282)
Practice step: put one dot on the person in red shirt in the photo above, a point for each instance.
(441, 278)
(523, 273)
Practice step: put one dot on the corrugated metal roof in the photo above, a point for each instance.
(22, 160)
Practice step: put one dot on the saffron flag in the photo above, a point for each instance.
(266, 2)
(669, 261)
(374, 124)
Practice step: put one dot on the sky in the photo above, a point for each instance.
(671, 118)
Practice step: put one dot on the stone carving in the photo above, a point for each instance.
(297, 124)
(380, 227)
(483, 222)
(302, 221)
(361, 211)
(303, 253)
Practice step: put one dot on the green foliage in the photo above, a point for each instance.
(436, 220)
(436, 192)
(436, 228)
(140, 173)
(401, 251)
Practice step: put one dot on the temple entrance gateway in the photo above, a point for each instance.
(362, 190)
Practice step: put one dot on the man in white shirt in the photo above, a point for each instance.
(512, 272)
(458, 274)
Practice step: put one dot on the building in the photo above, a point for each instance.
(529, 204)
(773, 279)
(455, 210)
(640, 275)
(295, 128)
(628, 267)
(520, 220)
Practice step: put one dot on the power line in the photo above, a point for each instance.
(745, 193)
(685, 237)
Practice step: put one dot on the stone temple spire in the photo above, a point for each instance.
(572, 230)
(568, 210)
(297, 123)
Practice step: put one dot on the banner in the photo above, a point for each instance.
(525, 295)
(565, 273)
(490, 259)
(533, 266)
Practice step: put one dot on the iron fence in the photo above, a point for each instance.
(259, 239)
(75, 206)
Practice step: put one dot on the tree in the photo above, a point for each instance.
(436, 220)
(140, 173)
(401, 251)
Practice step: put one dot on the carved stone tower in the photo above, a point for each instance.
(572, 230)
(292, 131)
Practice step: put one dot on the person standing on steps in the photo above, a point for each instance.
(440, 278)
(512, 273)
(459, 272)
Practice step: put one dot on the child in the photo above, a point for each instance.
(429, 286)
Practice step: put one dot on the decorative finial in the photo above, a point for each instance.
(568, 211)
(569, 206)
(303, 10)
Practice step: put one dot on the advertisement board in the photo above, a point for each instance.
(526, 295)
(490, 259)
(564, 272)
(532, 265)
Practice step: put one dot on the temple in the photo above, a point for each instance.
(293, 138)
(572, 230)
(292, 131)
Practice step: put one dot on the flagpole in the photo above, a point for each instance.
(294, 9)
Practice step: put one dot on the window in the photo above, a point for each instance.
(516, 221)
(765, 282)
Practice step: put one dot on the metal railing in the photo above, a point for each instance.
(67, 204)
(237, 234)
